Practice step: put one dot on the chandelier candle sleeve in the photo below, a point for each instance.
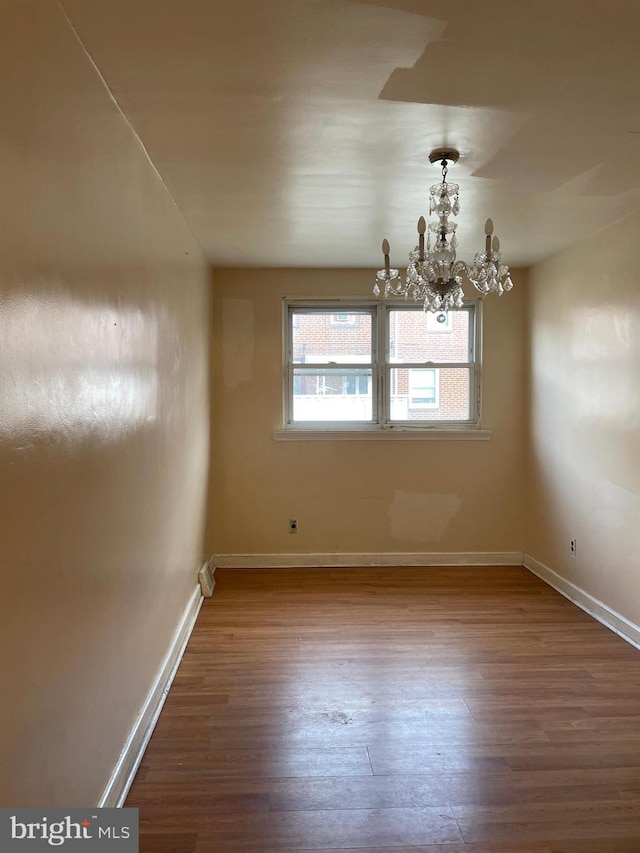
(434, 275)
(422, 227)
(385, 252)
(488, 230)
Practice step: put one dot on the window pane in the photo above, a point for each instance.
(415, 335)
(423, 388)
(321, 337)
(332, 395)
(414, 399)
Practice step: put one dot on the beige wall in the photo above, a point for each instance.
(103, 417)
(584, 471)
(355, 496)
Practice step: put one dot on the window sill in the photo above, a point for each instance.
(397, 434)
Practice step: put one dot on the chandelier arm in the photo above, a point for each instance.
(471, 274)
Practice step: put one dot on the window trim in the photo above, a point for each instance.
(380, 425)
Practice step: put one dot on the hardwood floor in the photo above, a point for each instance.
(447, 710)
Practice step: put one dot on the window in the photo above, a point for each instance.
(423, 388)
(330, 365)
(381, 366)
(343, 319)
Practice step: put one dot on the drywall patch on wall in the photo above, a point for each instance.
(421, 516)
(237, 342)
(616, 515)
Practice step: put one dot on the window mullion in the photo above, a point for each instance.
(382, 357)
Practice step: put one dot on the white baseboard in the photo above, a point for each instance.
(613, 620)
(332, 561)
(123, 773)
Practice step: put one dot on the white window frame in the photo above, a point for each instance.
(381, 367)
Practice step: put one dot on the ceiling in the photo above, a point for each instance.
(297, 132)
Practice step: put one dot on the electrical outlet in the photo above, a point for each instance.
(572, 546)
(293, 525)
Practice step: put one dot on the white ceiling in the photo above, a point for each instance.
(297, 132)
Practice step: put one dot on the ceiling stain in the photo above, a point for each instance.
(544, 60)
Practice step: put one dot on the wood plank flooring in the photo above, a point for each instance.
(438, 710)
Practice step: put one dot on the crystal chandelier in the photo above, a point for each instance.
(434, 276)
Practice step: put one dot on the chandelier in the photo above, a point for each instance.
(434, 276)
